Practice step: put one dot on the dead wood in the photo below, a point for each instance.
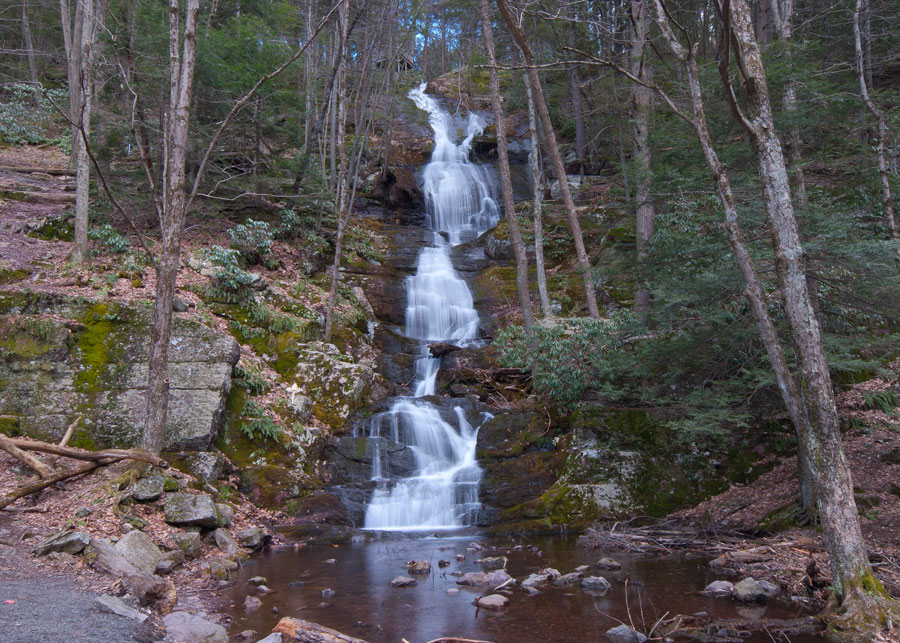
(24, 169)
(38, 485)
(12, 449)
(82, 454)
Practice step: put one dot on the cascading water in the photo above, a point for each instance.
(443, 491)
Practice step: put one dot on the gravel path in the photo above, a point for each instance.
(53, 610)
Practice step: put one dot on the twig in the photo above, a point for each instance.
(29, 489)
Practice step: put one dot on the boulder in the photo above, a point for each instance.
(719, 588)
(225, 542)
(152, 591)
(139, 550)
(295, 629)
(403, 581)
(225, 514)
(206, 466)
(191, 509)
(418, 567)
(493, 562)
(101, 555)
(169, 561)
(113, 605)
(482, 579)
(624, 634)
(70, 542)
(252, 603)
(187, 628)
(275, 637)
(148, 489)
(188, 542)
(595, 583)
(251, 538)
(492, 602)
(753, 591)
(534, 580)
(568, 579)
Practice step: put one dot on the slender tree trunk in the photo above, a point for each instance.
(887, 201)
(82, 162)
(575, 92)
(641, 99)
(29, 47)
(553, 150)
(509, 206)
(181, 78)
(534, 160)
(831, 477)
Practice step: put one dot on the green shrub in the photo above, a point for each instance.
(25, 114)
(258, 425)
(110, 238)
(253, 240)
(230, 283)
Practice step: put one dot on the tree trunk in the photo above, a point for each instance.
(29, 47)
(82, 163)
(853, 578)
(640, 117)
(534, 159)
(553, 150)
(887, 201)
(575, 90)
(509, 206)
(181, 78)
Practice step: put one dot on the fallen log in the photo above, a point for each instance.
(24, 169)
(12, 449)
(43, 483)
(83, 454)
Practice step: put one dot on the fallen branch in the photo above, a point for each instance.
(8, 445)
(38, 485)
(66, 437)
(52, 171)
(82, 454)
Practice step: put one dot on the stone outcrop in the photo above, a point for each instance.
(61, 358)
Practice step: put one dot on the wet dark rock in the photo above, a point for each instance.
(403, 581)
(70, 542)
(442, 348)
(148, 489)
(190, 509)
(327, 592)
(498, 249)
(568, 579)
(258, 580)
(251, 603)
(607, 563)
(719, 588)
(624, 634)
(482, 579)
(443, 563)
(595, 583)
(418, 567)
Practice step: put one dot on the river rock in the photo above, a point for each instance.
(70, 542)
(595, 583)
(251, 603)
(719, 588)
(295, 629)
(537, 578)
(452, 591)
(568, 579)
(482, 579)
(191, 509)
(251, 538)
(624, 634)
(113, 605)
(187, 628)
(258, 580)
(169, 561)
(148, 489)
(492, 602)
(188, 542)
(139, 550)
(225, 542)
(753, 591)
(327, 592)
(607, 563)
(418, 567)
(225, 514)
(403, 581)
(493, 562)
(275, 637)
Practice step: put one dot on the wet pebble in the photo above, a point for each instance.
(328, 592)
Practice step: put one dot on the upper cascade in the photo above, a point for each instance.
(459, 195)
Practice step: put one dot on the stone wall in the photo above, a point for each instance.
(62, 357)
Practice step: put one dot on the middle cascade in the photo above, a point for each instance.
(460, 203)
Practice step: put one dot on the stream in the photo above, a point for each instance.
(427, 513)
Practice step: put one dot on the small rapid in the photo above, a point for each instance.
(460, 202)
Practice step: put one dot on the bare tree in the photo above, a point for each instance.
(553, 151)
(640, 117)
(29, 47)
(509, 206)
(887, 201)
(534, 160)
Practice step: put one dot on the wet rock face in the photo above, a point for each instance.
(66, 357)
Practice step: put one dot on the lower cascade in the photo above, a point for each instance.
(442, 493)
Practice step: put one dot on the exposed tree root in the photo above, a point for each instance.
(864, 614)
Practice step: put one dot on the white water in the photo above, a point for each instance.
(443, 491)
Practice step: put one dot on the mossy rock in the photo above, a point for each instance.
(12, 275)
(60, 228)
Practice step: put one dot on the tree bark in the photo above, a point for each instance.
(29, 47)
(181, 78)
(534, 159)
(887, 201)
(553, 150)
(640, 118)
(832, 481)
(509, 206)
(575, 90)
(82, 163)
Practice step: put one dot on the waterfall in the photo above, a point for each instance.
(442, 493)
